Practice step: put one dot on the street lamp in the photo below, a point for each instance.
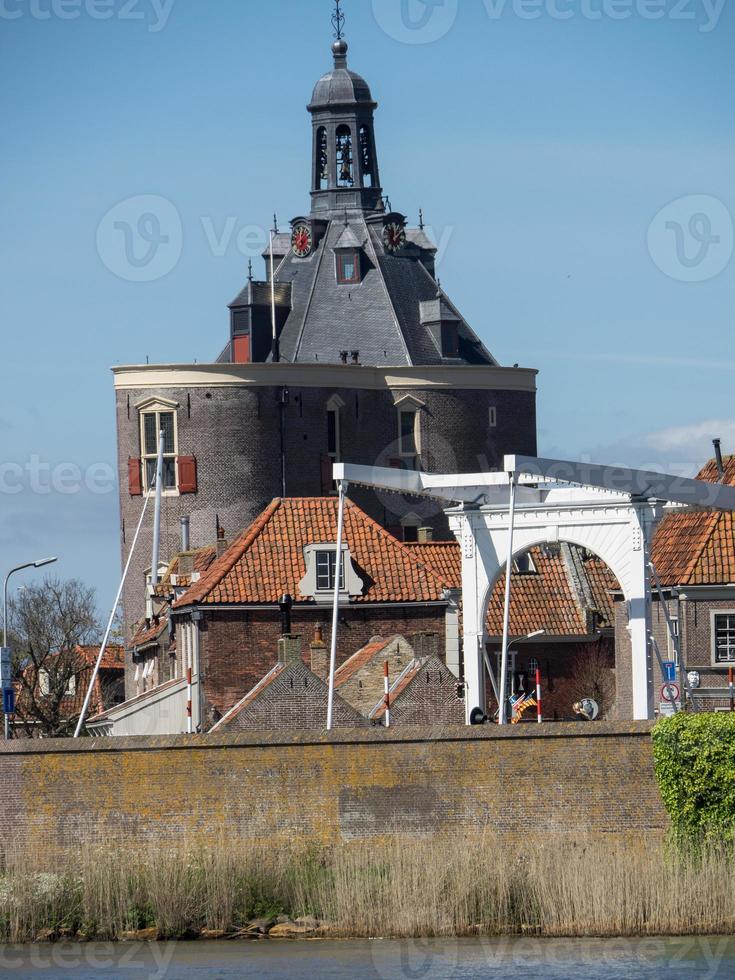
(514, 643)
(32, 564)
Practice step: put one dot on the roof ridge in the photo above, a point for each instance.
(226, 562)
(265, 682)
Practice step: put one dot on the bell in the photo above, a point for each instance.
(346, 173)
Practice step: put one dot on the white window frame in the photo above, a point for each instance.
(158, 407)
(714, 613)
(409, 406)
(329, 553)
(526, 556)
(334, 407)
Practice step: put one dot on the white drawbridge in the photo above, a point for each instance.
(612, 511)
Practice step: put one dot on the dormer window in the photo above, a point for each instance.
(348, 268)
(523, 565)
(321, 572)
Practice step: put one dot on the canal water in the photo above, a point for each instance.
(698, 958)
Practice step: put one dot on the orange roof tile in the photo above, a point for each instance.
(267, 560)
(698, 547)
(358, 660)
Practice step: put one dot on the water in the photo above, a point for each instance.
(510, 959)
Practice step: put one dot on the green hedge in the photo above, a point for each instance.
(694, 757)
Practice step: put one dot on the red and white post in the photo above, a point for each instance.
(387, 695)
(539, 716)
(189, 718)
(731, 685)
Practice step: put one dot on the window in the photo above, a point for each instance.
(325, 571)
(523, 565)
(493, 420)
(348, 268)
(723, 629)
(533, 666)
(450, 340)
(345, 170)
(44, 684)
(410, 525)
(334, 428)
(366, 154)
(408, 432)
(152, 423)
(322, 162)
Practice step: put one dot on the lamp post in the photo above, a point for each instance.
(32, 564)
(514, 643)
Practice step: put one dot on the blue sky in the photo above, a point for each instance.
(544, 140)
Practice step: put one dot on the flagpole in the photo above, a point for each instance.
(506, 611)
(335, 607)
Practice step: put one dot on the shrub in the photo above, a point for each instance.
(694, 757)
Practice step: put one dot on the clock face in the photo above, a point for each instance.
(394, 237)
(302, 241)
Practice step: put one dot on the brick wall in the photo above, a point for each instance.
(239, 647)
(567, 782)
(366, 687)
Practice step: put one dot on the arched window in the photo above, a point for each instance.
(322, 160)
(345, 166)
(366, 155)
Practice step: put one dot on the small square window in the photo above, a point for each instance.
(724, 637)
(348, 268)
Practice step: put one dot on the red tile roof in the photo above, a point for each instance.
(146, 635)
(698, 547)
(545, 600)
(267, 560)
(358, 660)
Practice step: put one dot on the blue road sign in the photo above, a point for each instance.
(669, 670)
(8, 701)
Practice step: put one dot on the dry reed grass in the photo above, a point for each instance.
(398, 887)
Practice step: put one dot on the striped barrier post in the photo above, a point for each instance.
(539, 717)
(387, 695)
(189, 719)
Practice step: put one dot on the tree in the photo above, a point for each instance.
(48, 623)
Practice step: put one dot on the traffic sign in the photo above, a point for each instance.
(670, 693)
(8, 701)
(6, 670)
(669, 670)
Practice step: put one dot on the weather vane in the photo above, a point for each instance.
(338, 20)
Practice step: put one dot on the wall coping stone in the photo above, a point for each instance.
(404, 735)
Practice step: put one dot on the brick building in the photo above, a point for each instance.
(370, 362)
(694, 556)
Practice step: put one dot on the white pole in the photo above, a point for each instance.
(335, 608)
(506, 611)
(189, 719)
(157, 515)
(115, 604)
(387, 694)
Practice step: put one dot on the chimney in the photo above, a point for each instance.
(185, 537)
(222, 543)
(319, 654)
(185, 565)
(289, 649)
(285, 604)
(718, 459)
(425, 535)
(425, 645)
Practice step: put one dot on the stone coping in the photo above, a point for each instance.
(404, 735)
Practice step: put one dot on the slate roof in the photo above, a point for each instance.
(267, 560)
(698, 548)
(379, 317)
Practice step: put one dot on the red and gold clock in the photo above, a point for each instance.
(302, 241)
(394, 236)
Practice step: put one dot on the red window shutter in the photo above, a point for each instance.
(135, 478)
(327, 481)
(187, 474)
(241, 349)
